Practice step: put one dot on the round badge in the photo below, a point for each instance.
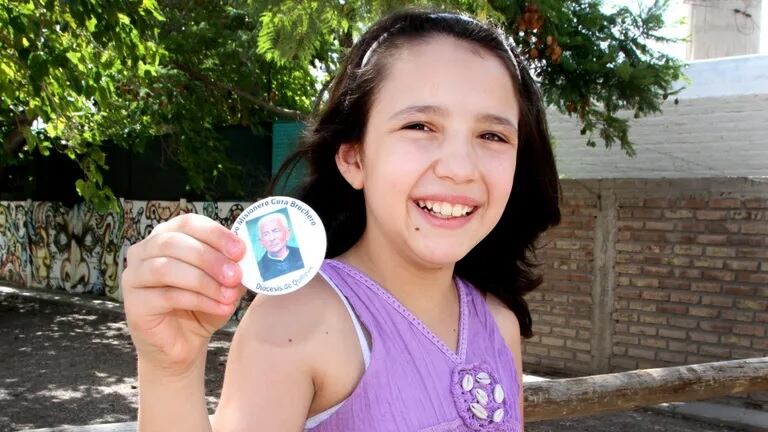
(285, 245)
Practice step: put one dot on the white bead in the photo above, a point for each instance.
(498, 393)
(478, 411)
(498, 415)
(481, 396)
(468, 382)
(483, 378)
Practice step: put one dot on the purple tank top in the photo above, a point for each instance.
(414, 382)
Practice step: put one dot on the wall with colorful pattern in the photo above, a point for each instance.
(46, 245)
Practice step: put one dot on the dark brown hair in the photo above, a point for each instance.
(500, 264)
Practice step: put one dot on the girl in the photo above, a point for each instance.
(433, 173)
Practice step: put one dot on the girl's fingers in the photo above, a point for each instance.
(171, 272)
(185, 248)
(166, 299)
(206, 230)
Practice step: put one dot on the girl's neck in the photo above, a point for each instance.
(418, 286)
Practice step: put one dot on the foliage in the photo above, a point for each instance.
(76, 74)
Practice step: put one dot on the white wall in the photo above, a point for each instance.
(718, 128)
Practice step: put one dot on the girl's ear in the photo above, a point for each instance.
(349, 162)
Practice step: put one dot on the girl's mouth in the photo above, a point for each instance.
(445, 210)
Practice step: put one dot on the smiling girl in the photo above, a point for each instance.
(432, 171)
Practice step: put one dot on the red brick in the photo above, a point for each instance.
(741, 265)
(716, 301)
(723, 227)
(646, 213)
(653, 342)
(684, 346)
(673, 333)
(756, 203)
(624, 363)
(711, 239)
(642, 329)
(730, 339)
(684, 297)
(746, 240)
(560, 353)
(641, 353)
(672, 357)
(703, 337)
(552, 341)
(749, 330)
(630, 340)
(684, 322)
(705, 286)
(672, 308)
(716, 326)
(724, 203)
(715, 263)
(678, 214)
(752, 227)
(715, 350)
(660, 226)
(711, 214)
(656, 202)
(737, 315)
(676, 237)
(692, 203)
(583, 346)
(723, 275)
(758, 278)
(700, 311)
(655, 295)
(719, 251)
(752, 252)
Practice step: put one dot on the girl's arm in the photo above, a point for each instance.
(168, 402)
(509, 327)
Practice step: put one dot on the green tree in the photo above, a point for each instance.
(74, 74)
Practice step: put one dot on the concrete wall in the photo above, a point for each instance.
(651, 273)
(718, 31)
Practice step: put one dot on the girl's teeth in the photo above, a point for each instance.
(445, 209)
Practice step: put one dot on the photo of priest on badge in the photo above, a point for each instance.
(272, 235)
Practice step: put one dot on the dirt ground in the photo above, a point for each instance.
(65, 365)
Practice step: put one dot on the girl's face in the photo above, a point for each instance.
(439, 151)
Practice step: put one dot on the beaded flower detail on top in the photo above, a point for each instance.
(480, 399)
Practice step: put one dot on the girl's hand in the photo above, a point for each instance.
(180, 285)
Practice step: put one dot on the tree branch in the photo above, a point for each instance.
(200, 77)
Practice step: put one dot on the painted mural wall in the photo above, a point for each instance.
(46, 245)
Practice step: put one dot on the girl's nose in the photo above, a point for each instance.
(456, 160)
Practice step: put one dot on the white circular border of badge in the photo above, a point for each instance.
(302, 245)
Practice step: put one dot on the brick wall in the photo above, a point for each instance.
(653, 273)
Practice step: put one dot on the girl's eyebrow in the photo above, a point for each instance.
(436, 110)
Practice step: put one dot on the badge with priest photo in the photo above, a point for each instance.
(285, 245)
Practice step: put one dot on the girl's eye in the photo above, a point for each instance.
(417, 126)
(492, 137)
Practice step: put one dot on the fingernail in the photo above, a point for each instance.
(234, 248)
(230, 271)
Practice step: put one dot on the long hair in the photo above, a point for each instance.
(501, 263)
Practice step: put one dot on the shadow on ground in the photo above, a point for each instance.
(66, 365)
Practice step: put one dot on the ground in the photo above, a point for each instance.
(65, 365)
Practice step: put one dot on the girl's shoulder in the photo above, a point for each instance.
(506, 321)
(306, 334)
